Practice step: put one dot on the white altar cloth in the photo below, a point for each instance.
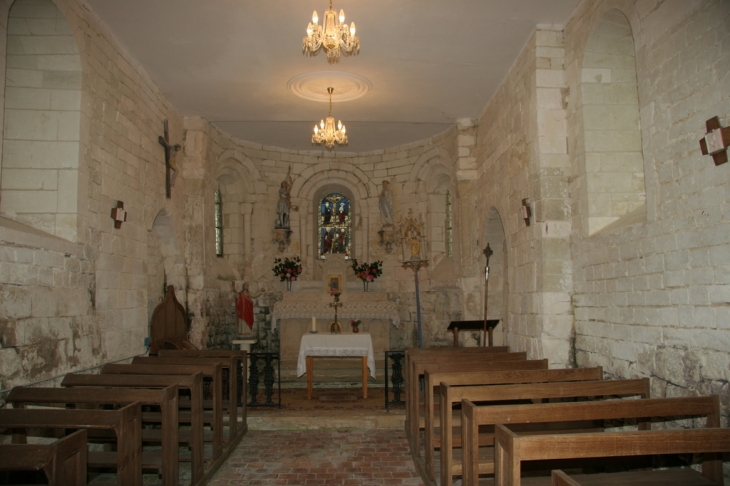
(322, 310)
(342, 345)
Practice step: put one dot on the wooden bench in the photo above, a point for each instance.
(213, 372)
(416, 367)
(125, 422)
(482, 367)
(229, 363)
(434, 376)
(165, 398)
(191, 383)
(63, 462)
(449, 395)
(557, 415)
(512, 449)
(241, 355)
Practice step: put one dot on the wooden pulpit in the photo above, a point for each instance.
(457, 326)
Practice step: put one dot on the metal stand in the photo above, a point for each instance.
(415, 265)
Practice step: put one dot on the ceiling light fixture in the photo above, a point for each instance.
(325, 132)
(333, 35)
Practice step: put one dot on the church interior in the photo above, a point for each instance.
(557, 169)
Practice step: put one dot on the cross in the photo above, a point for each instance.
(165, 142)
(716, 141)
(119, 215)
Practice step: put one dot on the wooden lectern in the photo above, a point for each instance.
(457, 326)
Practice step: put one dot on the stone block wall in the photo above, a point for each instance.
(75, 290)
(652, 295)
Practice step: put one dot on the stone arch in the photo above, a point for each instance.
(436, 181)
(421, 166)
(306, 194)
(233, 179)
(166, 265)
(39, 173)
(613, 175)
(498, 295)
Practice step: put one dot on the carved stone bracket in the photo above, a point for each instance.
(281, 237)
(388, 238)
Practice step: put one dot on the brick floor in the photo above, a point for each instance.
(362, 457)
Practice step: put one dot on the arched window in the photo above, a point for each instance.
(449, 229)
(334, 225)
(218, 224)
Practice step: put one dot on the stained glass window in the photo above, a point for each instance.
(449, 232)
(218, 224)
(334, 225)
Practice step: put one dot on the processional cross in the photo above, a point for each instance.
(170, 153)
(487, 253)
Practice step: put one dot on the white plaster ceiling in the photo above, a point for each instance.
(425, 62)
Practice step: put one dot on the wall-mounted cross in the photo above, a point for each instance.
(170, 161)
(119, 215)
(716, 142)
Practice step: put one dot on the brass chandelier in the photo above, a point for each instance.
(334, 35)
(326, 133)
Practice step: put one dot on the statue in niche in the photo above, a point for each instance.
(283, 207)
(386, 204)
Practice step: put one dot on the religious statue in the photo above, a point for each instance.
(386, 204)
(283, 207)
(244, 308)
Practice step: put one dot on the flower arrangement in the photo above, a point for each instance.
(287, 270)
(367, 272)
(335, 293)
(355, 322)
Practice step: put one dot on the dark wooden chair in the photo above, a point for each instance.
(168, 326)
(63, 461)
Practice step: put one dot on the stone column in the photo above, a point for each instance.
(246, 209)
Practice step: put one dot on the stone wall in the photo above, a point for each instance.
(653, 292)
(75, 293)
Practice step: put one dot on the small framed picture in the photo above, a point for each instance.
(333, 283)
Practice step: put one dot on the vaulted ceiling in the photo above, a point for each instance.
(239, 63)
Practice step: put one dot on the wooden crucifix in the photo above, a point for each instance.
(716, 141)
(171, 152)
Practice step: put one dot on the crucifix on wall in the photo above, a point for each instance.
(171, 169)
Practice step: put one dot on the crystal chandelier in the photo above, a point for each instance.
(325, 132)
(333, 35)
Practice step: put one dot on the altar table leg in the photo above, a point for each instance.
(456, 337)
(364, 376)
(310, 372)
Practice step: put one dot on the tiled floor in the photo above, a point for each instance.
(360, 457)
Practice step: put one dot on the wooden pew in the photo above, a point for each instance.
(482, 366)
(434, 376)
(125, 422)
(165, 398)
(561, 414)
(416, 367)
(63, 461)
(415, 353)
(230, 364)
(209, 371)
(512, 449)
(241, 355)
(530, 391)
(192, 383)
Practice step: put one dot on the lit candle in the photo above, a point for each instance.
(314, 324)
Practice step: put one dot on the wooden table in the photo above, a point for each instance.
(456, 326)
(336, 346)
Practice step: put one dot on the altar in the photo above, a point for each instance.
(358, 345)
(294, 315)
